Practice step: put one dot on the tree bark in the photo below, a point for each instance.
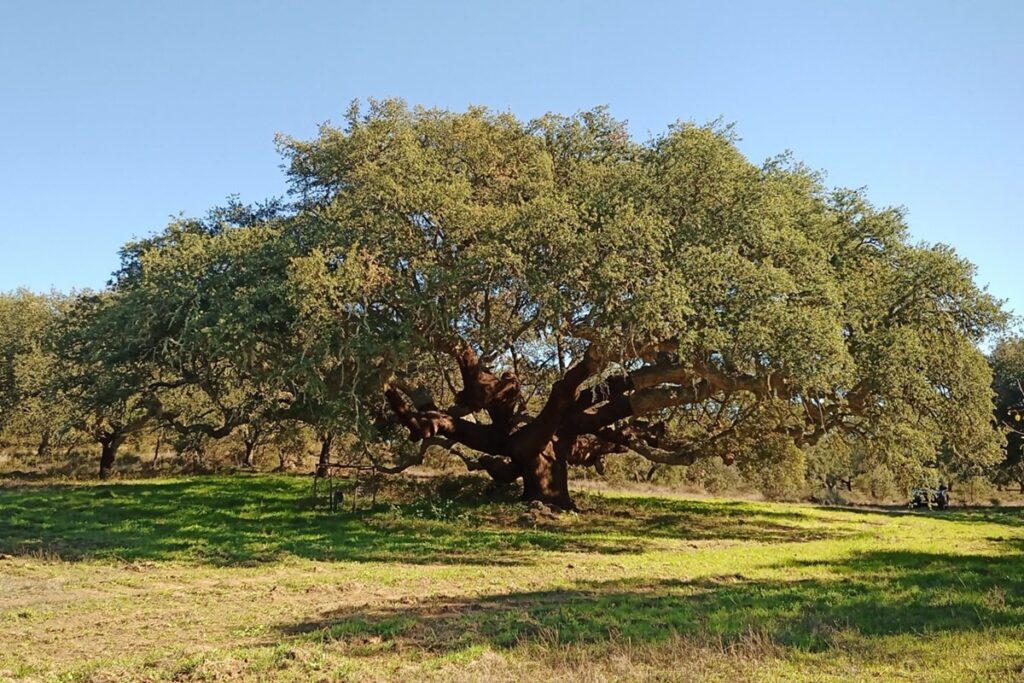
(249, 459)
(322, 465)
(108, 454)
(44, 444)
(581, 421)
(546, 479)
(539, 451)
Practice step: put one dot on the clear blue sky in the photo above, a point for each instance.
(117, 114)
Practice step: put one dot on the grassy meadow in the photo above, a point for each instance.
(237, 578)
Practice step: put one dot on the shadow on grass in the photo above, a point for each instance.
(236, 520)
(1003, 515)
(703, 520)
(873, 594)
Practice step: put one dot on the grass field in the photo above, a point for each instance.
(238, 578)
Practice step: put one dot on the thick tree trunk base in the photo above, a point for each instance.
(546, 480)
(107, 456)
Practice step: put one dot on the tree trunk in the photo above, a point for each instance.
(546, 479)
(107, 456)
(540, 451)
(1022, 485)
(322, 465)
(156, 451)
(249, 459)
(44, 445)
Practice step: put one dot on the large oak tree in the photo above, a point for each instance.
(539, 295)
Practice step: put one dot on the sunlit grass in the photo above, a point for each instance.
(228, 578)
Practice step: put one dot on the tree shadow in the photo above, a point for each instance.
(226, 521)
(244, 520)
(1006, 516)
(704, 520)
(875, 594)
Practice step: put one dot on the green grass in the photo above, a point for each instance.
(239, 578)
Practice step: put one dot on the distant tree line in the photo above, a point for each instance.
(531, 297)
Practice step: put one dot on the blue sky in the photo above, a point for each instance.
(116, 115)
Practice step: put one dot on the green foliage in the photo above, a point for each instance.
(832, 461)
(512, 235)
(414, 231)
(1007, 362)
(444, 510)
(879, 484)
(32, 410)
(104, 382)
(776, 468)
(24, 320)
(715, 477)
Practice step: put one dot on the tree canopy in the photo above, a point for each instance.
(535, 295)
(1007, 361)
(28, 405)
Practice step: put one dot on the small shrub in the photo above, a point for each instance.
(776, 467)
(441, 510)
(714, 476)
(878, 483)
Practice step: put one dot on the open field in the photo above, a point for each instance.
(237, 578)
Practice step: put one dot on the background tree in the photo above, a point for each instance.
(31, 411)
(228, 319)
(106, 385)
(1007, 361)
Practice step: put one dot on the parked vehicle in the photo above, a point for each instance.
(925, 497)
